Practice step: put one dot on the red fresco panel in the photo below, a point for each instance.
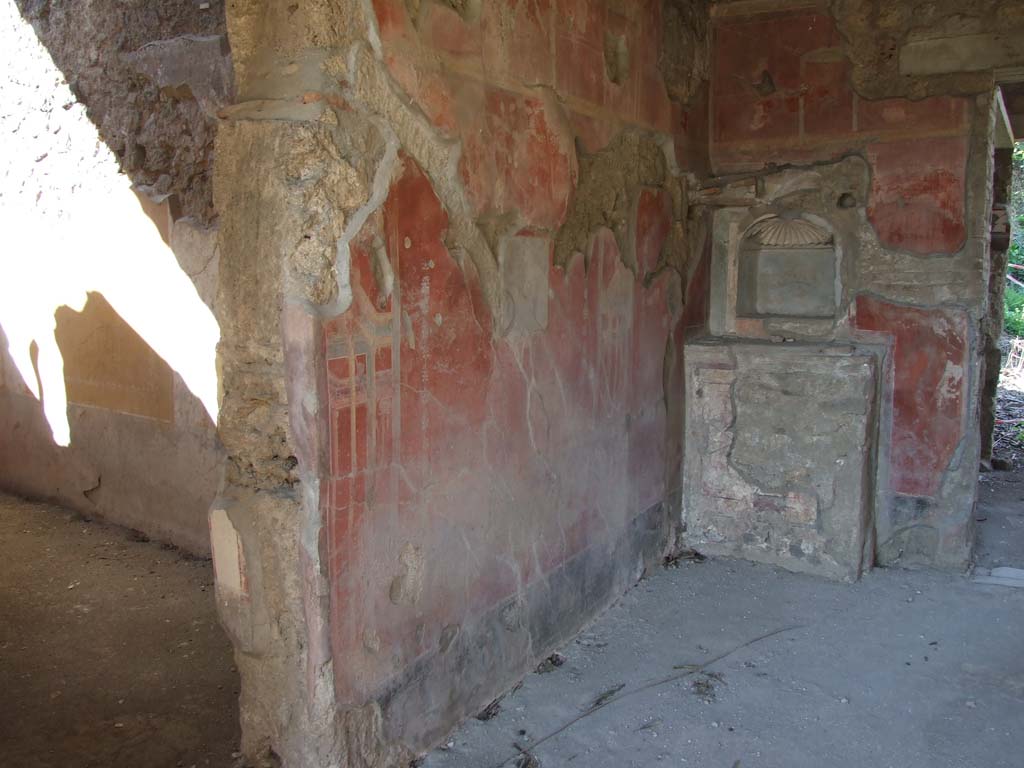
(917, 194)
(487, 457)
(929, 359)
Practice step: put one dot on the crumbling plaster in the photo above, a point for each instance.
(880, 37)
(323, 111)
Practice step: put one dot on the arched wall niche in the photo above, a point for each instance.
(788, 267)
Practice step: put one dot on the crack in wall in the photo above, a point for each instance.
(370, 88)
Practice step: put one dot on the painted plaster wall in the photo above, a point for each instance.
(782, 94)
(450, 351)
(456, 238)
(497, 478)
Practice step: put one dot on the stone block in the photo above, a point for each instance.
(934, 55)
(778, 454)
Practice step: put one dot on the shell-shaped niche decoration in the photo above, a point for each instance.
(784, 232)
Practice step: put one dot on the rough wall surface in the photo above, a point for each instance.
(271, 607)
(152, 75)
(793, 87)
(779, 454)
(926, 48)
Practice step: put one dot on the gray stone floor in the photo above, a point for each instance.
(910, 669)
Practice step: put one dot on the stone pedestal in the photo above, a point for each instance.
(780, 457)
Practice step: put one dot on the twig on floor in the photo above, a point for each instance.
(604, 702)
(607, 696)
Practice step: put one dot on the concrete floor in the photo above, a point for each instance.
(915, 669)
(111, 654)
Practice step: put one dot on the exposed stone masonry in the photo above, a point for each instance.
(160, 123)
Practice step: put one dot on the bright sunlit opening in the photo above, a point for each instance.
(71, 224)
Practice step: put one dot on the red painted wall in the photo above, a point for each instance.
(781, 94)
(470, 465)
(486, 75)
(481, 463)
(929, 349)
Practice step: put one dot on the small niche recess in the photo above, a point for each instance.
(787, 268)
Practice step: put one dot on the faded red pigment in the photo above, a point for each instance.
(929, 357)
(443, 436)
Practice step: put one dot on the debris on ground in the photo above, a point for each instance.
(130, 665)
(607, 696)
(650, 725)
(705, 686)
(550, 664)
(683, 556)
(1008, 436)
(490, 711)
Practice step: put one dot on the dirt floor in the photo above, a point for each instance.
(111, 655)
(729, 664)
(1008, 437)
(1000, 522)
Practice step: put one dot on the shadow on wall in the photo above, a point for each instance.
(72, 225)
